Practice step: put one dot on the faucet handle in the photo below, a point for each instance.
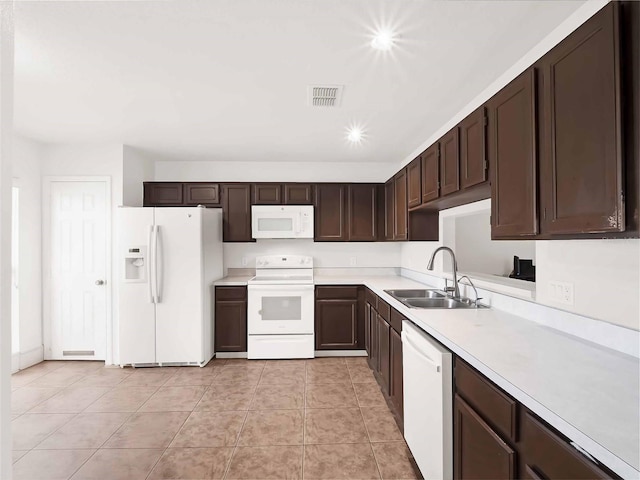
(449, 290)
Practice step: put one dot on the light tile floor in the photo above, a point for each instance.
(237, 419)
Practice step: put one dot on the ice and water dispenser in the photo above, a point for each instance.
(135, 264)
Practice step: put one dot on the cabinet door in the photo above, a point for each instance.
(430, 173)
(330, 213)
(267, 194)
(512, 154)
(473, 160)
(581, 163)
(414, 183)
(479, 452)
(298, 194)
(236, 212)
(396, 371)
(367, 329)
(400, 229)
(201, 194)
(230, 319)
(389, 210)
(383, 352)
(336, 324)
(374, 356)
(362, 212)
(162, 194)
(543, 454)
(449, 163)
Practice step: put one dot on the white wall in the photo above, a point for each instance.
(137, 167)
(273, 171)
(325, 254)
(605, 275)
(27, 176)
(93, 159)
(476, 252)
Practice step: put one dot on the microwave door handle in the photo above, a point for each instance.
(299, 224)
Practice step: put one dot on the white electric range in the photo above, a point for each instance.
(280, 308)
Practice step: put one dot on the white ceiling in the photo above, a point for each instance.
(227, 79)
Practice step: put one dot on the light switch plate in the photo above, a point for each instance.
(353, 261)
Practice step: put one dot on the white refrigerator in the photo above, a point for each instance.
(169, 258)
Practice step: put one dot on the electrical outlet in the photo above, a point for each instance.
(245, 261)
(561, 292)
(353, 261)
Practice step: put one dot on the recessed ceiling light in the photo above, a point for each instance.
(383, 39)
(355, 134)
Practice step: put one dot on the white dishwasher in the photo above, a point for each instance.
(428, 417)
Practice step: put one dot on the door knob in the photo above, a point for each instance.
(99, 282)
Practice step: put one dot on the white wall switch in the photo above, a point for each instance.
(561, 292)
(353, 261)
(245, 261)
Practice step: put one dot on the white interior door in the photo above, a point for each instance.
(75, 285)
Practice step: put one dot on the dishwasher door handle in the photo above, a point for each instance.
(417, 351)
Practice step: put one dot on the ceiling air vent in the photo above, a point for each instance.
(325, 95)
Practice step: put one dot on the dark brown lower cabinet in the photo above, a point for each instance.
(383, 351)
(374, 356)
(395, 356)
(367, 328)
(479, 452)
(339, 318)
(547, 455)
(230, 319)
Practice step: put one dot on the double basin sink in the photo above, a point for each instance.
(430, 298)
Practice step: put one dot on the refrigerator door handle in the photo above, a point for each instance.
(156, 256)
(150, 265)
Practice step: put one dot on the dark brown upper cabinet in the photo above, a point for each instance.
(201, 194)
(581, 169)
(298, 194)
(473, 160)
(430, 173)
(162, 194)
(362, 212)
(389, 210)
(330, 212)
(450, 163)
(414, 183)
(513, 158)
(400, 224)
(236, 212)
(267, 194)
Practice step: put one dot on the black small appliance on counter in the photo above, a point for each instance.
(523, 269)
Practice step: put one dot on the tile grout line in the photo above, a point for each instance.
(235, 447)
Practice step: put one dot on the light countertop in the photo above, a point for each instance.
(588, 392)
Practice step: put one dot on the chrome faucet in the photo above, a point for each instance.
(454, 264)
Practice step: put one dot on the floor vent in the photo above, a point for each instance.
(325, 95)
(78, 353)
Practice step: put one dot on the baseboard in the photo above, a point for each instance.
(341, 353)
(318, 353)
(30, 357)
(231, 354)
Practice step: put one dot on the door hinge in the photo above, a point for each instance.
(438, 185)
(486, 165)
(485, 121)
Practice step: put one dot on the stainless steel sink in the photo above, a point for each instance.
(436, 303)
(416, 293)
(431, 298)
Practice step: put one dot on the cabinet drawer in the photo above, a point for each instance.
(371, 298)
(384, 309)
(496, 407)
(231, 293)
(547, 455)
(337, 292)
(396, 320)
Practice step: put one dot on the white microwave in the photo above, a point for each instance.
(282, 221)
